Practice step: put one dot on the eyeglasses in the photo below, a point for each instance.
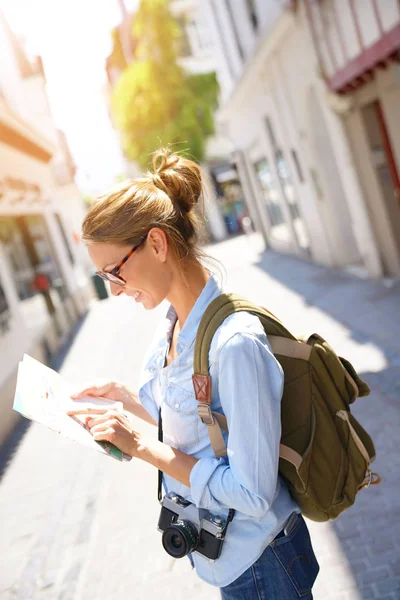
(113, 276)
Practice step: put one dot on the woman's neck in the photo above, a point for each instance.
(185, 290)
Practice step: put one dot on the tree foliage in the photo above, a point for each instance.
(155, 102)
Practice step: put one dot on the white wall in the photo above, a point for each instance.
(10, 82)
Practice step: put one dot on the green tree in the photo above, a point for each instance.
(155, 102)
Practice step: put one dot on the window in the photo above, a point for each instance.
(65, 238)
(283, 173)
(234, 28)
(223, 40)
(287, 189)
(286, 183)
(184, 47)
(269, 191)
(4, 313)
(298, 166)
(198, 33)
(270, 132)
(252, 12)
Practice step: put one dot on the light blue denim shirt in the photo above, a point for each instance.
(247, 383)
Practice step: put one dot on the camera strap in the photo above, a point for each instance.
(160, 439)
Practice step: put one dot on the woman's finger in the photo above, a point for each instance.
(92, 390)
(109, 424)
(110, 415)
(88, 411)
(114, 409)
(103, 435)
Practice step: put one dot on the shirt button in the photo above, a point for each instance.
(176, 405)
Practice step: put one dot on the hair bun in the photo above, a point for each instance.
(178, 177)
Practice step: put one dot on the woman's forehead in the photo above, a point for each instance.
(105, 252)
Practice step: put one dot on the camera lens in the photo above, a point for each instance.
(180, 539)
(176, 541)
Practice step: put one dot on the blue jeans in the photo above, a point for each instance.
(286, 570)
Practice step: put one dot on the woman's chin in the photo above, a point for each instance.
(144, 301)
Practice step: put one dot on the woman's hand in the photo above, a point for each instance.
(118, 393)
(111, 390)
(112, 426)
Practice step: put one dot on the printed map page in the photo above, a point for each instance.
(42, 396)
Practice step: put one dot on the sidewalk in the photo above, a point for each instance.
(78, 526)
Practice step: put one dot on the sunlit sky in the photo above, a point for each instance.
(73, 38)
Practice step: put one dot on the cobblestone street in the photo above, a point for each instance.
(78, 526)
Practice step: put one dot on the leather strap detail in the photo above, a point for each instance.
(214, 430)
(370, 479)
(291, 348)
(352, 382)
(202, 388)
(343, 414)
(221, 420)
(217, 440)
(290, 455)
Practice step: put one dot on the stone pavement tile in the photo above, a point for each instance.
(395, 566)
(354, 593)
(388, 586)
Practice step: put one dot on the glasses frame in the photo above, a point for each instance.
(115, 271)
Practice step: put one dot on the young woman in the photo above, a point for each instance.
(142, 238)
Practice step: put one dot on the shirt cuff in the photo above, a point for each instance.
(200, 475)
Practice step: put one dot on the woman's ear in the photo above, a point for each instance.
(157, 239)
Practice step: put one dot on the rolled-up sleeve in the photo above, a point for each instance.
(250, 383)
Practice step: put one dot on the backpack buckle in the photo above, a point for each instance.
(205, 414)
(370, 479)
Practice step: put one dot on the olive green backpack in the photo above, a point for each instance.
(325, 454)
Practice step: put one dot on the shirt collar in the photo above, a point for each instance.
(186, 336)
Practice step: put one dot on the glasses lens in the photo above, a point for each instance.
(112, 278)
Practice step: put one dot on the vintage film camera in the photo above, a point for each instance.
(187, 528)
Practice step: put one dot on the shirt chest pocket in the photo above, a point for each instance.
(180, 417)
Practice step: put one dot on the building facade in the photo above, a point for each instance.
(44, 288)
(225, 205)
(314, 135)
(357, 45)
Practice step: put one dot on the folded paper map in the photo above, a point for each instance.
(43, 396)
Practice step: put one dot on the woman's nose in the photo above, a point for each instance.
(115, 289)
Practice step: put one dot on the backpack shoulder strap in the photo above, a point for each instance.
(281, 340)
(221, 308)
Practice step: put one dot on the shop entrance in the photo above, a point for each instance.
(33, 267)
(379, 178)
(230, 198)
(386, 173)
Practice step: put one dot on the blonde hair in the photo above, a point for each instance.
(165, 197)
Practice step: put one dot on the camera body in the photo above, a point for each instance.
(187, 528)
